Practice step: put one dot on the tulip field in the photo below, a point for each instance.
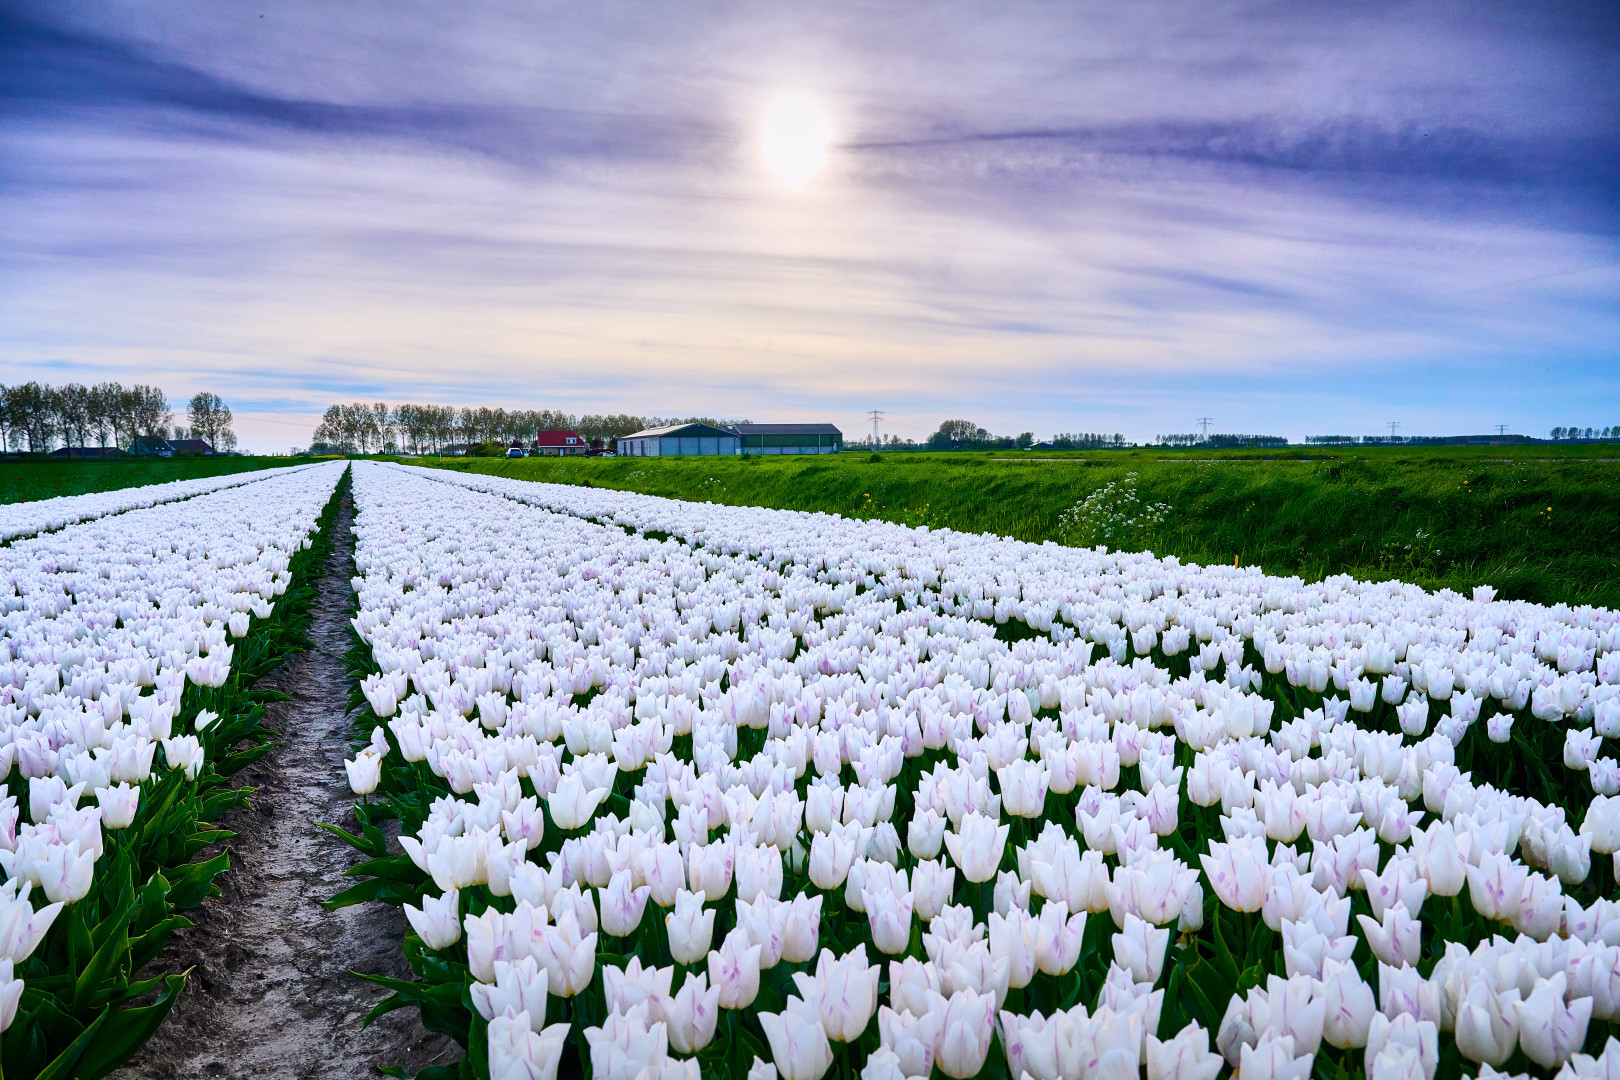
(132, 626)
(691, 790)
(25, 519)
(676, 789)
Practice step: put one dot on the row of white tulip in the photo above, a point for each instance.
(42, 515)
(763, 691)
(1366, 641)
(102, 625)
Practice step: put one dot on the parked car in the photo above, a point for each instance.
(514, 452)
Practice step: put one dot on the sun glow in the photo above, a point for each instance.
(796, 137)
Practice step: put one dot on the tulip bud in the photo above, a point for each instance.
(883, 1064)
(1397, 939)
(831, 854)
(1273, 1058)
(976, 846)
(965, 1029)
(623, 905)
(1140, 949)
(925, 834)
(11, 989)
(516, 1050)
(438, 921)
(1058, 937)
(520, 987)
(1549, 1029)
(1347, 1006)
(1487, 1026)
(691, 1016)
(801, 929)
(690, 927)
(572, 804)
(758, 871)
(890, 917)
(1420, 1038)
(798, 1041)
(1239, 872)
(118, 805)
(734, 971)
(1023, 788)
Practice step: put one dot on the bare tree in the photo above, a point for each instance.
(73, 413)
(210, 420)
(103, 412)
(32, 412)
(149, 411)
(409, 423)
(382, 421)
(330, 430)
(445, 421)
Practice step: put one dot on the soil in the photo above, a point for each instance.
(272, 991)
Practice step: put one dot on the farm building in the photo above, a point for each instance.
(191, 447)
(559, 443)
(87, 452)
(151, 446)
(680, 441)
(790, 438)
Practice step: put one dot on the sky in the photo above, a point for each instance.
(1293, 218)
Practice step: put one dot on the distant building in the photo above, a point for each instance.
(87, 452)
(681, 440)
(790, 438)
(191, 447)
(151, 446)
(559, 443)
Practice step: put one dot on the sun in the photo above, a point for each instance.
(796, 135)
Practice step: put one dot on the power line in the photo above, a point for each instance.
(1203, 423)
(1393, 425)
(875, 415)
(1501, 429)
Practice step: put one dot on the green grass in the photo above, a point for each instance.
(45, 478)
(1539, 523)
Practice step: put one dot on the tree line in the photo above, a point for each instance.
(38, 417)
(1087, 440)
(381, 428)
(1221, 441)
(966, 435)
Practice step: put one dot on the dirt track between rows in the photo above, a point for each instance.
(271, 992)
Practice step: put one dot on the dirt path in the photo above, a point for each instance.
(272, 994)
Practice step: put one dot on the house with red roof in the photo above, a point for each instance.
(559, 443)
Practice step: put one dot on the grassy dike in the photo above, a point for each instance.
(1539, 523)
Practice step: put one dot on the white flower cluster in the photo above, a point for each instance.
(102, 624)
(775, 719)
(26, 518)
(1113, 514)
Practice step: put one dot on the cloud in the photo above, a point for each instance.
(1060, 217)
(50, 75)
